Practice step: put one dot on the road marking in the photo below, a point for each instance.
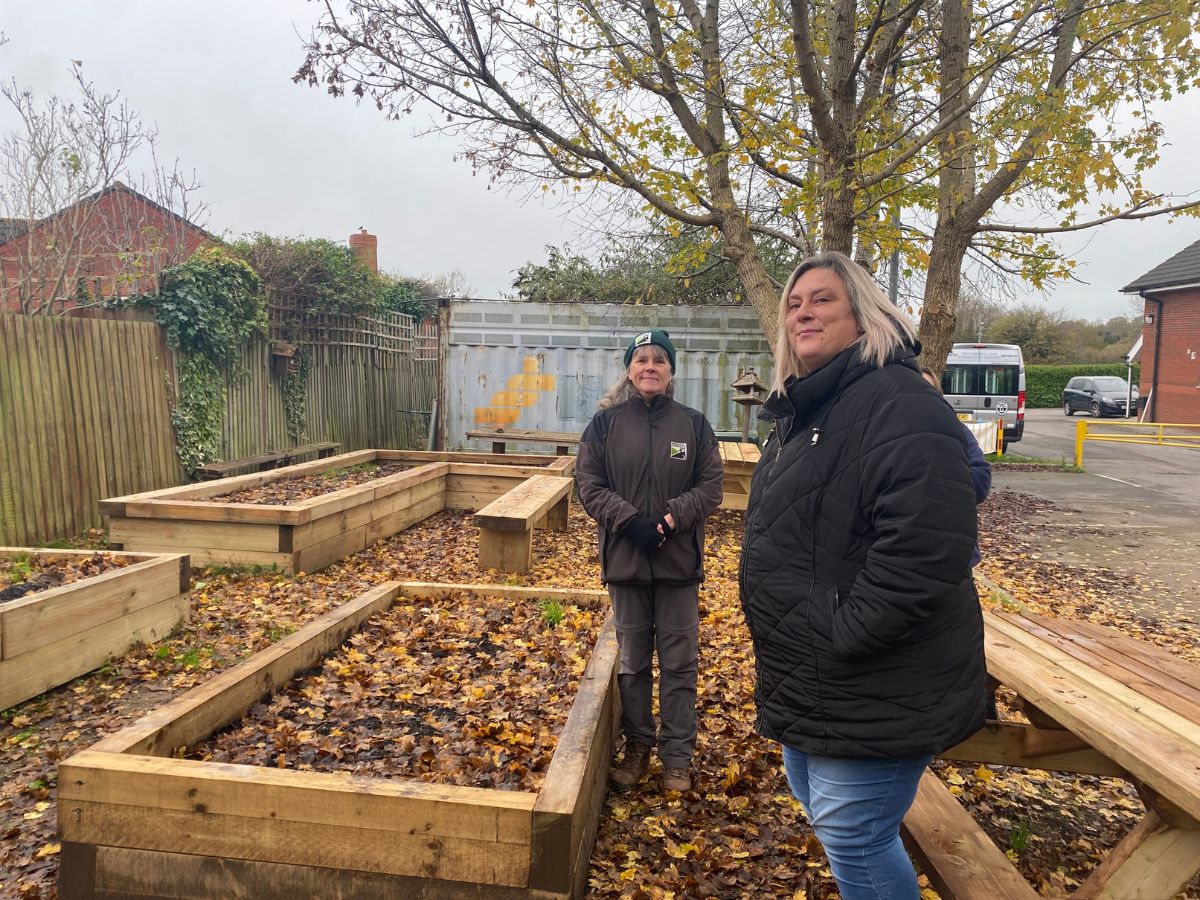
(1130, 483)
(1104, 526)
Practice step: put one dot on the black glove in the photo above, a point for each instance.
(643, 532)
(667, 530)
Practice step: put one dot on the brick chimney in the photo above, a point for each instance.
(366, 248)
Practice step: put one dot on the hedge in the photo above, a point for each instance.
(1044, 384)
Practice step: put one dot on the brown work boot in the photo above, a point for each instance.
(632, 769)
(676, 779)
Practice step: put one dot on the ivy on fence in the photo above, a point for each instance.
(294, 396)
(208, 307)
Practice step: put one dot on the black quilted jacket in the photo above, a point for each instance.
(855, 576)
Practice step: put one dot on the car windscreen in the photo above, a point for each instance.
(993, 380)
(1110, 384)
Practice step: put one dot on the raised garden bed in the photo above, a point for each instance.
(135, 821)
(50, 636)
(310, 534)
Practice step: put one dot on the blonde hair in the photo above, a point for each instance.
(884, 329)
(622, 389)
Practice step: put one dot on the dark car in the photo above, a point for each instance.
(1101, 395)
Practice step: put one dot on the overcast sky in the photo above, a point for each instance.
(215, 77)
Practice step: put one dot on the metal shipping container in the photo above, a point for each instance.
(544, 366)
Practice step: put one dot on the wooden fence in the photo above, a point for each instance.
(84, 410)
(83, 415)
(370, 382)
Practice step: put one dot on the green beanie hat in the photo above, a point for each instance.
(656, 336)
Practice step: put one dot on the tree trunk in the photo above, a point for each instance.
(942, 285)
(740, 247)
(956, 188)
(837, 214)
(752, 273)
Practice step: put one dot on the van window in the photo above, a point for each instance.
(959, 380)
(996, 381)
(1002, 380)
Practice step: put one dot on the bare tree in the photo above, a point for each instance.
(449, 284)
(64, 228)
(976, 314)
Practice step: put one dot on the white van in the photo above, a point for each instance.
(987, 381)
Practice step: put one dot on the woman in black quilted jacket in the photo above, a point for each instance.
(855, 574)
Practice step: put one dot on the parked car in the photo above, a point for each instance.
(1100, 395)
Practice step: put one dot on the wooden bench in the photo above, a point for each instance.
(260, 462)
(739, 460)
(506, 524)
(563, 441)
(1098, 702)
(957, 855)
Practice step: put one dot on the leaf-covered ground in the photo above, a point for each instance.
(24, 575)
(471, 692)
(738, 834)
(305, 487)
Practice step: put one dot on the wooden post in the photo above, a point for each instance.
(507, 551)
(557, 515)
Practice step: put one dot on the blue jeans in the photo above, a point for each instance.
(855, 807)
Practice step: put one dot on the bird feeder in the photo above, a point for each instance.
(283, 358)
(748, 393)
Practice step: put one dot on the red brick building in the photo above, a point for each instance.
(112, 243)
(1170, 382)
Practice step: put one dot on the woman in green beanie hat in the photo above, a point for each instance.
(649, 473)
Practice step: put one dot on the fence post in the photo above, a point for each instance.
(1080, 437)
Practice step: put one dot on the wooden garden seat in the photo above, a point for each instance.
(506, 524)
(1098, 702)
(954, 852)
(322, 449)
(271, 459)
(563, 441)
(739, 460)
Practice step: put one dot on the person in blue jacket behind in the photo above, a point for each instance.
(981, 469)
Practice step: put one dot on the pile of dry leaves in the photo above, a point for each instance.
(305, 487)
(460, 691)
(25, 574)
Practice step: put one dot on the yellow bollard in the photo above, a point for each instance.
(1080, 437)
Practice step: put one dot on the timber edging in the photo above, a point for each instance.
(136, 821)
(49, 637)
(308, 535)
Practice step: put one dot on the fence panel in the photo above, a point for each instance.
(254, 417)
(83, 415)
(371, 382)
(85, 409)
